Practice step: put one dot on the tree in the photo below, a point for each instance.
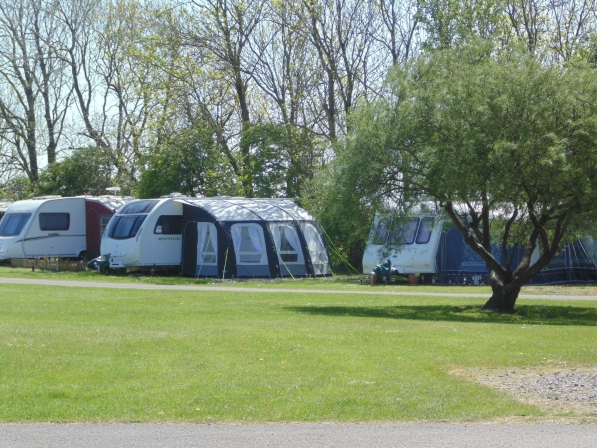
(399, 30)
(448, 22)
(340, 32)
(285, 69)
(221, 35)
(561, 28)
(341, 210)
(189, 163)
(86, 171)
(32, 83)
(17, 188)
(117, 88)
(504, 144)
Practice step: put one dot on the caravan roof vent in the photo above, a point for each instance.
(51, 196)
(174, 195)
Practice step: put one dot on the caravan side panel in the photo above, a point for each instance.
(57, 229)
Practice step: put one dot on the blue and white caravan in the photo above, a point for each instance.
(240, 237)
(429, 244)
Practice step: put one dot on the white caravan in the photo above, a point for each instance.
(55, 226)
(411, 246)
(145, 233)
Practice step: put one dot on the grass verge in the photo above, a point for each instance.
(94, 355)
(337, 283)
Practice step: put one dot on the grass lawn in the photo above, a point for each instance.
(95, 355)
(339, 283)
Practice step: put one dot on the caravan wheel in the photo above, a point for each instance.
(83, 255)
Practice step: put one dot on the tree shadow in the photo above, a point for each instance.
(523, 314)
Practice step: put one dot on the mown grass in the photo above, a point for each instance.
(337, 283)
(95, 355)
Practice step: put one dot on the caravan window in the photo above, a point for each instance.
(287, 243)
(124, 227)
(169, 225)
(13, 223)
(381, 231)
(249, 244)
(138, 207)
(54, 221)
(425, 229)
(207, 244)
(404, 233)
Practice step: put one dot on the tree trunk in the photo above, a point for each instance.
(503, 298)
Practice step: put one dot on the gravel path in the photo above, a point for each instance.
(408, 435)
(565, 391)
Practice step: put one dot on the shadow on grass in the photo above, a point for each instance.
(524, 314)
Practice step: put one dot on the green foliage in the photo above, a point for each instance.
(267, 165)
(282, 159)
(498, 134)
(449, 22)
(190, 164)
(341, 210)
(17, 188)
(85, 171)
(464, 122)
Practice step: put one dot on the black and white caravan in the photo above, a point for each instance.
(244, 238)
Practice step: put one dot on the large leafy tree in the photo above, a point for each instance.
(85, 171)
(188, 163)
(503, 143)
